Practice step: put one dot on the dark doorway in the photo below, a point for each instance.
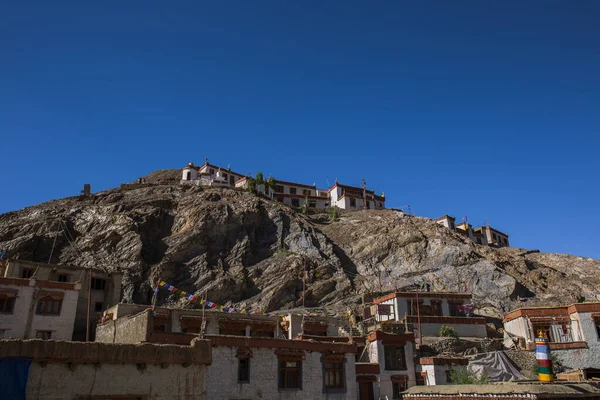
(365, 390)
(188, 176)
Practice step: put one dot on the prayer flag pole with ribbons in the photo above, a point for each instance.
(209, 304)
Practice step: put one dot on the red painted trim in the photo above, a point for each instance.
(568, 345)
(443, 361)
(423, 295)
(55, 285)
(364, 368)
(391, 339)
(14, 281)
(244, 341)
(447, 320)
(552, 311)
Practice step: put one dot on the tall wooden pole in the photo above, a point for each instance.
(89, 306)
(364, 187)
(203, 325)
(419, 324)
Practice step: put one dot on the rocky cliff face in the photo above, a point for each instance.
(252, 251)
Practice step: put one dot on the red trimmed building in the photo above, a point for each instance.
(485, 235)
(387, 368)
(209, 175)
(573, 332)
(353, 198)
(435, 309)
(35, 309)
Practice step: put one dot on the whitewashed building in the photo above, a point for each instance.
(389, 369)
(105, 288)
(573, 332)
(292, 194)
(35, 309)
(432, 309)
(281, 369)
(252, 358)
(353, 198)
(209, 175)
(485, 235)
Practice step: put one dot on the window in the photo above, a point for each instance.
(44, 335)
(26, 273)
(244, 370)
(352, 202)
(312, 204)
(397, 388)
(279, 199)
(597, 325)
(334, 374)
(307, 192)
(436, 307)
(231, 180)
(278, 189)
(211, 171)
(414, 308)
(290, 374)
(2, 333)
(191, 329)
(292, 190)
(7, 304)
(63, 278)
(295, 203)
(98, 306)
(394, 358)
(455, 309)
(49, 306)
(98, 284)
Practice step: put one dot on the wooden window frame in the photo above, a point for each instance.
(27, 273)
(102, 285)
(284, 370)
(243, 375)
(41, 307)
(37, 336)
(392, 366)
(8, 304)
(334, 366)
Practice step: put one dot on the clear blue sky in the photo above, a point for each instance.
(485, 109)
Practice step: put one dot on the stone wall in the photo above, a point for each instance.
(222, 380)
(72, 370)
(130, 329)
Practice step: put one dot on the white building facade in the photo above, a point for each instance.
(209, 175)
(34, 309)
(280, 369)
(433, 309)
(390, 369)
(353, 198)
(573, 332)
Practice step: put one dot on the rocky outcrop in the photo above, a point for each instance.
(247, 250)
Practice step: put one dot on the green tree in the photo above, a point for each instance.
(447, 331)
(334, 213)
(259, 178)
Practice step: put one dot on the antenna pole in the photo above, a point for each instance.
(89, 306)
(364, 187)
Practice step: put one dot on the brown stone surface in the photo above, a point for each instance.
(92, 353)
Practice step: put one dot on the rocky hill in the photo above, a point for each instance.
(252, 251)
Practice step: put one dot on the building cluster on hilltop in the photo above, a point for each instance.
(290, 193)
(483, 235)
(211, 354)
